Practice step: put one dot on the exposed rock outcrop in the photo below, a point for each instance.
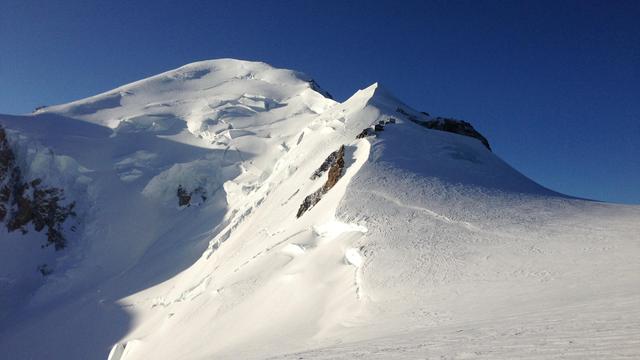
(366, 133)
(327, 163)
(315, 87)
(9, 175)
(371, 131)
(29, 203)
(188, 198)
(455, 126)
(336, 170)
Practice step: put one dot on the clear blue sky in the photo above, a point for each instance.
(555, 86)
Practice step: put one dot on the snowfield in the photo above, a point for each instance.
(186, 245)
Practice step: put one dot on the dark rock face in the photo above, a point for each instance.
(9, 174)
(336, 170)
(405, 113)
(185, 197)
(371, 131)
(327, 163)
(23, 203)
(365, 133)
(455, 126)
(309, 202)
(315, 87)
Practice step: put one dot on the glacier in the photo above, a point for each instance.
(188, 242)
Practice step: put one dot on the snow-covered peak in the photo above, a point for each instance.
(196, 95)
(227, 209)
(374, 94)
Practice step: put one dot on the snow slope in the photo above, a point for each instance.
(428, 245)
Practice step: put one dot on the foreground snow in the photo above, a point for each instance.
(428, 246)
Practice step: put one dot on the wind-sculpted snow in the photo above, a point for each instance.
(424, 243)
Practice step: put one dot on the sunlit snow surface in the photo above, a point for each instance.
(429, 246)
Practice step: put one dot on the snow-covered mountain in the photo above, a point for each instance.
(231, 210)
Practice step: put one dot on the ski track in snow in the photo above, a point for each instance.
(423, 209)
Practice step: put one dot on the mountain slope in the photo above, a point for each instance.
(413, 242)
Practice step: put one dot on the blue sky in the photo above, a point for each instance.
(555, 86)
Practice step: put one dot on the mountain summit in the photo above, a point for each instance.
(231, 210)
